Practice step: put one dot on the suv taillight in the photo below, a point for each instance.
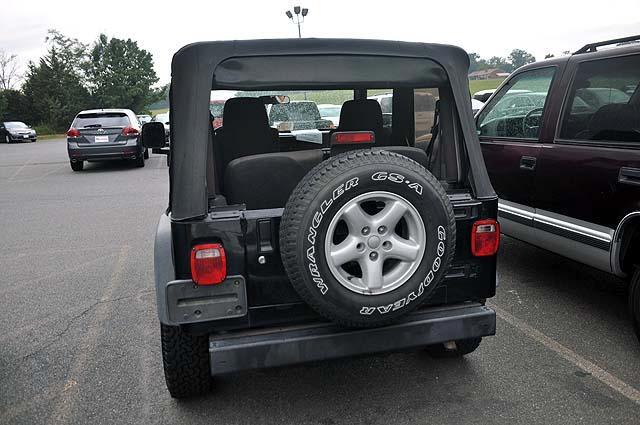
(130, 131)
(208, 264)
(73, 133)
(485, 238)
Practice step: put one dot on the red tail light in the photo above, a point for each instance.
(130, 131)
(485, 238)
(208, 264)
(350, 137)
(73, 132)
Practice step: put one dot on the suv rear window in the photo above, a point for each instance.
(601, 105)
(104, 119)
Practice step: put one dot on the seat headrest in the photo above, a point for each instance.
(361, 115)
(243, 111)
(616, 121)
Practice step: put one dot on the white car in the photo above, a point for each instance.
(330, 112)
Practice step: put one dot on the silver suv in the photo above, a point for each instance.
(105, 134)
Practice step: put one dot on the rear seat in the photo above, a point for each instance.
(266, 180)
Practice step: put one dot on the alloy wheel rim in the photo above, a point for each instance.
(375, 243)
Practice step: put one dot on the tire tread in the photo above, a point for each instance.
(303, 195)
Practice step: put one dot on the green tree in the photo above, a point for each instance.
(120, 74)
(499, 63)
(54, 87)
(476, 63)
(519, 57)
(13, 106)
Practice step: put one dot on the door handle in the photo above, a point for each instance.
(528, 163)
(628, 175)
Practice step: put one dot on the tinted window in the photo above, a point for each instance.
(516, 111)
(102, 119)
(601, 103)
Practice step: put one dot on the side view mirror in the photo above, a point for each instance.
(153, 135)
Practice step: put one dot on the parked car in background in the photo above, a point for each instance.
(144, 119)
(216, 105)
(561, 140)
(330, 112)
(476, 105)
(483, 95)
(164, 119)
(16, 131)
(105, 134)
(297, 115)
(386, 104)
(216, 108)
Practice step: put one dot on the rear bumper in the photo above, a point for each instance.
(102, 153)
(290, 345)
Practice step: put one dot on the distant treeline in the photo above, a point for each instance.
(71, 76)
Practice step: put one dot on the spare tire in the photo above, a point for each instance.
(366, 236)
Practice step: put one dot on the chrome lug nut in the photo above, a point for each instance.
(373, 256)
(382, 229)
(366, 230)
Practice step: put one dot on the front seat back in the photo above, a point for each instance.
(364, 115)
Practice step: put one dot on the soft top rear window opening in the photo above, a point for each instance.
(306, 64)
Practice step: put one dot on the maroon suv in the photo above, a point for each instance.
(561, 141)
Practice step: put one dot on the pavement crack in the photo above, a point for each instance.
(77, 317)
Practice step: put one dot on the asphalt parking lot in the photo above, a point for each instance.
(79, 338)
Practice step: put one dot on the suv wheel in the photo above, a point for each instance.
(77, 165)
(6, 139)
(185, 358)
(366, 237)
(454, 349)
(146, 153)
(634, 300)
(139, 161)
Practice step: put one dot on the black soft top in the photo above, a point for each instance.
(198, 68)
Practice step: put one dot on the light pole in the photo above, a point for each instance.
(300, 14)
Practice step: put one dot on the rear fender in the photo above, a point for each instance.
(163, 267)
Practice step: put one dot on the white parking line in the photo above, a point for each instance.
(596, 371)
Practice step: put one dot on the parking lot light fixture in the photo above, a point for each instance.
(300, 14)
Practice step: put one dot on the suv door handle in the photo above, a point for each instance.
(628, 175)
(528, 163)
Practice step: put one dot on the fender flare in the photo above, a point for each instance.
(163, 268)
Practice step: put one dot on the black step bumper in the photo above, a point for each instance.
(290, 345)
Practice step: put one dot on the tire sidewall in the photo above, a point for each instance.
(378, 176)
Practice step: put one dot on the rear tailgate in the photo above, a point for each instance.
(102, 128)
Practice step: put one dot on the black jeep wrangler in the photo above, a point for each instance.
(281, 247)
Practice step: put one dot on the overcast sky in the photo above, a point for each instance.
(489, 28)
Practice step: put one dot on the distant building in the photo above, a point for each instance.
(486, 74)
